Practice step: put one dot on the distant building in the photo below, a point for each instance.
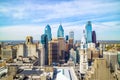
(88, 32)
(60, 32)
(0, 51)
(41, 54)
(8, 52)
(48, 32)
(71, 35)
(71, 42)
(99, 71)
(2, 63)
(27, 50)
(94, 37)
(118, 58)
(62, 44)
(29, 40)
(53, 56)
(111, 58)
(66, 38)
(44, 41)
(83, 55)
(73, 55)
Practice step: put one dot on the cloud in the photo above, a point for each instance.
(30, 18)
(59, 10)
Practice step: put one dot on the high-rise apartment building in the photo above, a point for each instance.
(88, 32)
(60, 32)
(48, 32)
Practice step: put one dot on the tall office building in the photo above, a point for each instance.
(61, 43)
(83, 55)
(88, 32)
(71, 41)
(66, 38)
(27, 50)
(94, 37)
(41, 54)
(53, 55)
(73, 55)
(48, 32)
(60, 32)
(44, 41)
(71, 35)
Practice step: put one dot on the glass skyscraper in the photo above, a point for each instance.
(88, 32)
(48, 32)
(60, 32)
(93, 36)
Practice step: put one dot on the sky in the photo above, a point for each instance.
(21, 18)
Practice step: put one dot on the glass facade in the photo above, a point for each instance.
(60, 32)
(48, 32)
(93, 36)
(119, 58)
(88, 31)
(44, 39)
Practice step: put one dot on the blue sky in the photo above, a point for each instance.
(19, 18)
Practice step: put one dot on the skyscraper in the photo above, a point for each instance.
(44, 41)
(88, 32)
(61, 44)
(71, 35)
(66, 37)
(53, 55)
(48, 32)
(60, 32)
(93, 36)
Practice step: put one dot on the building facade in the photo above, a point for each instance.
(88, 32)
(44, 42)
(83, 55)
(60, 32)
(53, 52)
(94, 37)
(71, 35)
(48, 32)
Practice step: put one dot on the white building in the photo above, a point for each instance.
(83, 56)
(41, 55)
(27, 50)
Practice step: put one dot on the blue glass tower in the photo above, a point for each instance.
(60, 32)
(88, 32)
(48, 32)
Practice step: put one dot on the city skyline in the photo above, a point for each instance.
(29, 17)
